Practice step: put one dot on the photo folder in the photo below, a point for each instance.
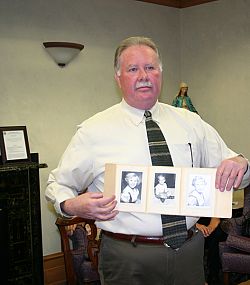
(167, 190)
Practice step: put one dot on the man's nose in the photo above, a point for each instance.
(142, 74)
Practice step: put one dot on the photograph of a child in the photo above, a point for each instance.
(164, 186)
(131, 187)
(199, 194)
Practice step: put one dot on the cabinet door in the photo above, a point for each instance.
(3, 241)
(21, 222)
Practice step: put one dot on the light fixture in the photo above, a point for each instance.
(62, 52)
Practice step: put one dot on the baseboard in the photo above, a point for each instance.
(54, 269)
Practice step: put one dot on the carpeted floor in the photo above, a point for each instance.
(245, 283)
(235, 279)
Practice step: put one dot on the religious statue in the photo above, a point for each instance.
(182, 100)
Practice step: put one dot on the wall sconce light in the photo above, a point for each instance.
(62, 52)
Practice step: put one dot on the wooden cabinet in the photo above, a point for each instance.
(20, 222)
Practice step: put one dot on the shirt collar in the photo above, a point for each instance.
(137, 115)
(155, 111)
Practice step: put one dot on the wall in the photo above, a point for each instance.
(51, 101)
(215, 61)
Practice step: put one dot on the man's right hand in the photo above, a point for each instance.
(91, 206)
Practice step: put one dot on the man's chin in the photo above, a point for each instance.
(145, 104)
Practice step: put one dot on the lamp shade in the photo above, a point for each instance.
(63, 52)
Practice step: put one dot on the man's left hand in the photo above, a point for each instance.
(230, 173)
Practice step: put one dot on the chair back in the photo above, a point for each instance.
(80, 246)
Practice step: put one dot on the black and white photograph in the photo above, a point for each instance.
(131, 187)
(164, 187)
(198, 194)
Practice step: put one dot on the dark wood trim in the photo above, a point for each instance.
(54, 269)
(177, 3)
(169, 3)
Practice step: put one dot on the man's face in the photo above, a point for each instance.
(140, 76)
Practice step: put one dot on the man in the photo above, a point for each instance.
(123, 258)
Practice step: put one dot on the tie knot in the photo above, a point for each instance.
(148, 114)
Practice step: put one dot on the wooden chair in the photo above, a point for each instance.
(80, 247)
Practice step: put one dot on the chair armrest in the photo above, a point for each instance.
(239, 242)
(76, 220)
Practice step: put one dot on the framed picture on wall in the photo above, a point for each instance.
(14, 144)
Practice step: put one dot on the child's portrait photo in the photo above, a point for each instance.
(164, 187)
(131, 187)
(198, 191)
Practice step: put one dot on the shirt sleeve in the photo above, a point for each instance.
(74, 172)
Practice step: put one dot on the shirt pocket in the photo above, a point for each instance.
(185, 154)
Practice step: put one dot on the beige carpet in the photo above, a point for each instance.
(245, 283)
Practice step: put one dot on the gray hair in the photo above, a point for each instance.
(134, 41)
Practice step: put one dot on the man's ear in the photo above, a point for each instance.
(117, 79)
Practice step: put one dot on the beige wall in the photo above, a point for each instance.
(215, 61)
(51, 101)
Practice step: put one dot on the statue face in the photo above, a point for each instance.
(184, 90)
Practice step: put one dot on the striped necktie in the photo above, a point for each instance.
(174, 227)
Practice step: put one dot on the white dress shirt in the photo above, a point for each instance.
(118, 135)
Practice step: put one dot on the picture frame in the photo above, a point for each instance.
(14, 144)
